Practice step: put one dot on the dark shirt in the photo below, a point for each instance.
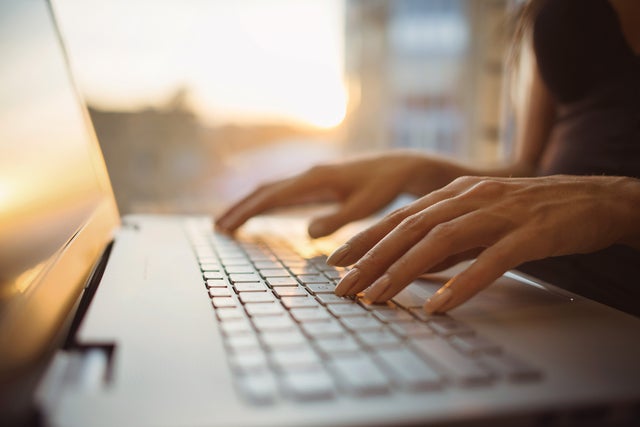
(594, 76)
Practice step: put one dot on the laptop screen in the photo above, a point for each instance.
(52, 178)
(48, 185)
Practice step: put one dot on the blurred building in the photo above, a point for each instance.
(155, 156)
(425, 74)
(163, 159)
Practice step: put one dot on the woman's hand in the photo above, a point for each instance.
(502, 221)
(361, 187)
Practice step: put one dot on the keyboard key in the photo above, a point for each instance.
(248, 361)
(377, 339)
(298, 302)
(347, 310)
(458, 367)
(262, 257)
(293, 261)
(281, 281)
(420, 314)
(323, 329)
(238, 269)
(246, 277)
(259, 388)
(210, 266)
(264, 309)
(447, 326)
(230, 313)
(274, 272)
(295, 359)
(409, 371)
(240, 260)
(407, 299)
(321, 288)
(308, 385)
(255, 297)
(359, 375)
(241, 343)
(411, 329)
(393, 315)
(220, 292)
(307, 279)
(333, 299)
(218, 283)
(474, 344)
(219, 302)
(305, 269)
(334, 274)
(232, 327)
(311, 314)
(251, 287)
(361, 323)
(290, 291)
(213, 275)
(274, 323)
(208, 259)
(337, 345)
(280, 339)
(268, 265)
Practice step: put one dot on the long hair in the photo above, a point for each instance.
(520, 26)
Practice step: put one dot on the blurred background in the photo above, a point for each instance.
(196, 101)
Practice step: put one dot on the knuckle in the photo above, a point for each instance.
(465, 181)
(488, 187)
(444, 232)
(397, 216)
(411, 224)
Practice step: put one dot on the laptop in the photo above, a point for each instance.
(158, 321)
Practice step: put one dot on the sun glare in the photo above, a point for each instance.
(243, 61)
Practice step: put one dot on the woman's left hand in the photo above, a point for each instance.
(502, 222)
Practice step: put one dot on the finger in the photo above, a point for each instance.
(399, 241)
(359, 205)
(457, 236)
(363, 241)
(269, 196)
(492, 263)
(453, 260)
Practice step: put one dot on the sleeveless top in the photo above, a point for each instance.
(594, 76)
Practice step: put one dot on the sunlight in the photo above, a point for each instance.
(242, 61)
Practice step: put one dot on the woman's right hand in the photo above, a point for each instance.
(361, 187)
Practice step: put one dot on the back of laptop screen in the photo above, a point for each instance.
(52, 178)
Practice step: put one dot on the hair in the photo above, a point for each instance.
(520, 26)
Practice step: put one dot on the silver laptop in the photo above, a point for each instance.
(158, 321)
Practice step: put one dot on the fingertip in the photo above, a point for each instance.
(438, 301)
(317, 229)
(322, 227)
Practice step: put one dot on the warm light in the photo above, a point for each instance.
(244, 61)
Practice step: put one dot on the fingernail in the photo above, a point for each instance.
(347, 282)
(338, 255)
(378, 288)
(437, 300)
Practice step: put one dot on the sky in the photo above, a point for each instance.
(242, 60)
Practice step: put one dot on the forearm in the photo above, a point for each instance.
(628, 192)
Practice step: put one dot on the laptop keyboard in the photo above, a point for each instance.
(289, 336)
